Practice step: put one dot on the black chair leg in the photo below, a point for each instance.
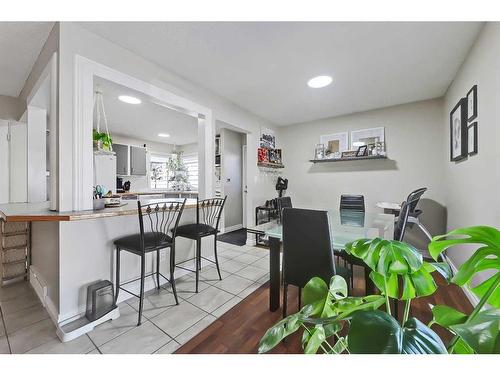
(158, 269)
(141, 293)
(197, 263)
(117, 278)
(172, 270)
(216, 258)
(300, 298)
(285, 299)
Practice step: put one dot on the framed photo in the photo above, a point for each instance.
(472, 139)
(362, 150)
(349, 154)
(367, 136)
(267, 138)
(472, 103)
(458, 131)
(338, 142)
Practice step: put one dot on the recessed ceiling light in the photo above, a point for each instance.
(129, 99)
(319, 81)
(164, 135)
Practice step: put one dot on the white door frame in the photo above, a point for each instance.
(85, 71)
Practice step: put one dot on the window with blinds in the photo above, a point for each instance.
(191, 163)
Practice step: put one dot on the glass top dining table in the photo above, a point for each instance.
(345, 227)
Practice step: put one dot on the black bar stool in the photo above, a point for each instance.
(162, 218)
(208, 213)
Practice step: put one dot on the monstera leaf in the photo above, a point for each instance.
(326, 307)
(392, 260)
(481, 332)
(376, 332)
(486, 257)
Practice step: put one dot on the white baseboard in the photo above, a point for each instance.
(468, 293)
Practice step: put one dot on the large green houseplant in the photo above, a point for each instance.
(333, 322)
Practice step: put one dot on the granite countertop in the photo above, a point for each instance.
(41, 212)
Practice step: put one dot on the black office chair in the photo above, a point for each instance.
(208, 213)
(307, 250)
(162, 222)
(281, 203)
(414, 213)
(352, 202)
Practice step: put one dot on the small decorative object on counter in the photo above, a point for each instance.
(319, 151)
(100, 299)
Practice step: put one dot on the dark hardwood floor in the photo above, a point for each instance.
(240, 329)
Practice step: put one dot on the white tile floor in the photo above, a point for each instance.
(25, 326)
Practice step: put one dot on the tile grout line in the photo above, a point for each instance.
(5, 329)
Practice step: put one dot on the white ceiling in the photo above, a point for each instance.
(20, 45)
(146, 120)
(264, 66)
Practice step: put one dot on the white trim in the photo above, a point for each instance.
(468, 293)
(232, 228)
(85, 71)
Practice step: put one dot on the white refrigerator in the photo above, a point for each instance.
(105, 171)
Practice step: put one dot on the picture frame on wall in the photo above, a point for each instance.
(472, 139)
(267, 138)
(335, 143)
(367, 136)
(458, 131)
(472, 103)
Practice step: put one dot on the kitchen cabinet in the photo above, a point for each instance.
(137, 161)
(121, 158)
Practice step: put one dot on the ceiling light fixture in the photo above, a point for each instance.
(164, 135)
(319, 81)
(129, 99)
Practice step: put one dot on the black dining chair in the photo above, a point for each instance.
(208, 214)
(281, 203)
(352, 202)
(158, 223)
(307, 250)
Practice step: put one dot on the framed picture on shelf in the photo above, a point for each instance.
(362, 151)
(263, 155)
(365, 137)
(458, 131)
(349, 154)
(267, 138)
(472, 139)
(274, 156)
(335, 143)
(472, 103)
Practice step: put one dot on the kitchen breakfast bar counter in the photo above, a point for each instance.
(71, 250)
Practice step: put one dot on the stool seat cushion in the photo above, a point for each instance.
(195, 230)
(152, 241)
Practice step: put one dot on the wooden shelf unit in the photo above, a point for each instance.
(14, 250)
(270, 165)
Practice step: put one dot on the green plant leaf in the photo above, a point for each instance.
(423, 282)
(305, 338)
(442, 267)
(461, 347)
(278, 332)
(482, 332)
(316, 339)
(481, 289)
(374, 332)
(315, 290)
(338, 287)
(446, 316)
(420, 339)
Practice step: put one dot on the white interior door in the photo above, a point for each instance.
(4, 161)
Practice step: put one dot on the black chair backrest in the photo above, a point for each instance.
(352, 202)
(209, 211)
(281, 203)
(307, 248)
(402, 221)
(162, 217)
(414, 197)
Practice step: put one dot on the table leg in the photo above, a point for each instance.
(274, 273)
(369, 285)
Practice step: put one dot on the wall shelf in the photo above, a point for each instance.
(372, 157)
(270, 165)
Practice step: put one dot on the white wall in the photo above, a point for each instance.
(76, 40)
(11, 108)
(473, 196)
(414, 142)
(231, 159)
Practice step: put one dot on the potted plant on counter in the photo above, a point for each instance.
(334, 323)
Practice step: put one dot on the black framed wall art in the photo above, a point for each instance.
(472, 103)
(458, 131)
(472, 139)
